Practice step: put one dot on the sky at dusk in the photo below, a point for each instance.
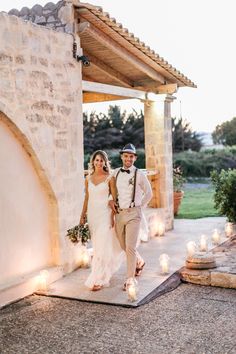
(196, 37)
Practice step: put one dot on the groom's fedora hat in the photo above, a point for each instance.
(129, 148)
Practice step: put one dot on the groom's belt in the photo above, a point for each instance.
(129, 209)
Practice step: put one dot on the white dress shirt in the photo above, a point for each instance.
(125, 185)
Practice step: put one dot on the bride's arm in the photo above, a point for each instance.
(85, 205)
(113, 192)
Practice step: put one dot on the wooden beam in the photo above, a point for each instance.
(88, 86)
(168, 88)
(120, 51)
(86, 77)
(114, 74)
(91, 97)
(151, 86)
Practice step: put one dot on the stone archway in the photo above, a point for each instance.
(28, 208)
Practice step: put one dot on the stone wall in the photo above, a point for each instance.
(41, 103)
(158, 148)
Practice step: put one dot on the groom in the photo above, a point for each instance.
(133, 193)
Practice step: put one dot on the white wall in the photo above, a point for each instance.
(24, 212)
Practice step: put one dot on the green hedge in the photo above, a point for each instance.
(200, 164)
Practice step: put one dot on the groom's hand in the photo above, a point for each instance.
(113, 206)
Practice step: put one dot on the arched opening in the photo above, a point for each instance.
(28, 208)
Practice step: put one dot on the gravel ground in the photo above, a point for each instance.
(191, 319)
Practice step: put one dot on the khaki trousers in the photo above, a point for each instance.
(127, 231)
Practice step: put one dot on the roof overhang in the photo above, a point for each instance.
(118, 58)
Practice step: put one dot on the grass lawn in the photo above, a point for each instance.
(197, 202)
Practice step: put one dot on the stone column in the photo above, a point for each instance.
(158, 150)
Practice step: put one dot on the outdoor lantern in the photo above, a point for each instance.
(191, 248)
(215, 237)
(85, 259)
(164, 263)
(203, 243)
(160, 229)
(132, 291)
(228, 230)
(43, 280)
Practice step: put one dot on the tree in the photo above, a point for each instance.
(225, 133)
(114, 130)
(133, 131)
(183, 138)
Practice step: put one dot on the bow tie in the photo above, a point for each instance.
(123, 170)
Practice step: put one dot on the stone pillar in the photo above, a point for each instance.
(158, 150)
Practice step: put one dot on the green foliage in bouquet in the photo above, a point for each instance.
(79, 233)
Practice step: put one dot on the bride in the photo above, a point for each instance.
(107, 253)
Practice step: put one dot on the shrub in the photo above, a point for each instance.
(200, 164)
(225, 193)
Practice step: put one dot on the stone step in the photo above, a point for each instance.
(223, 275)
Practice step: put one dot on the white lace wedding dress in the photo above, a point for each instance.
(107, 253)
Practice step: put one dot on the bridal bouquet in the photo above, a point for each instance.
(79, 233)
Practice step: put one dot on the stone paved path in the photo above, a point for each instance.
(173, 243)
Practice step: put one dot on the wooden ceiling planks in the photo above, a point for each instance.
(122, 36)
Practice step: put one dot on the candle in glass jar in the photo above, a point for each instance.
(215, 237)
(132, 294)
(203, 243)
(85, 259)
(228, 230)
(43, 280)
(191, 248)
(160, 229)
(164, 263)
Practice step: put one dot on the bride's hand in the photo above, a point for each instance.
(113, 206)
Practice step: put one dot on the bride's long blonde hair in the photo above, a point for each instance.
(104, 156)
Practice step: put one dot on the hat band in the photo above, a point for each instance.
(129, 151)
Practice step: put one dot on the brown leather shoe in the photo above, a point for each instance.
(128, 283)
(96, 287)
(139, 269)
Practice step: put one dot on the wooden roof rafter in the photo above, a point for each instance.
(109, 26)
(114, 74)
(101, 37)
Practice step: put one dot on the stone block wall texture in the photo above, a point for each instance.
(41, 103)
(158, 148)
